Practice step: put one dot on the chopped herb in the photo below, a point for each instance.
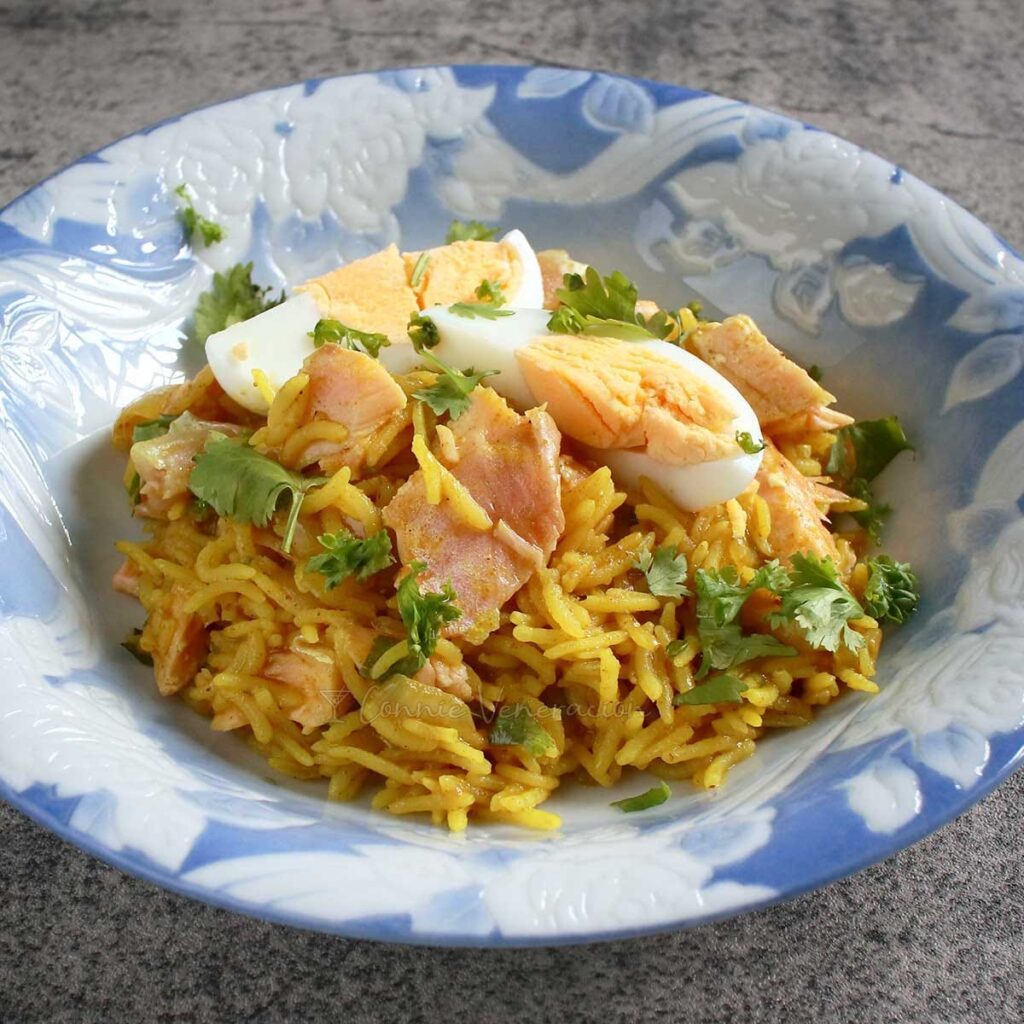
(872, 444)
(515, 726)
(720, 598)
(817, 601)
(814, 372)
(135, 489)
(610, 298)
(336, 333)
(469, 231)
(666, 571)
(200, 510)
(149, 429)
(696, 307)
(424, 614)
(423, 332)
(719, 690)
(484, 310)
(675, 647)
(861, 451)
(193, 222)
(490, 291)
(450, 394)
(346, 555)
(747, 443)
(419, 269)
(230, 299)
(892, 592)
(408, 665)
(132, 645)
(652, 798)
(240, 483)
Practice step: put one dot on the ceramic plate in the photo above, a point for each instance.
(905, 301)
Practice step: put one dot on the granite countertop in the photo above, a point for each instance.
(936, 933)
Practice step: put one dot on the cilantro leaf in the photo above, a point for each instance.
(892, 592)
(719, 690)
(484, 310)
(861, 451)
(720, 598)
(651, 798)
(450, 394)
(149, 429)
(346, 555)
(240, 483)
(407, 666)
(666, 571)
(193, 222)
(231, 298)
(747, 443)
(675, 647)
(818, 602)
(131, 644)
(490, 291)
(515, 726)
(873, 444)
(610, 298)
(469, 231)
(334, 332)
(424, 614)
(423, 332)
(419, 269)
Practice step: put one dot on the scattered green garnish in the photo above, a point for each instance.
(131, 644)
(814, 372)
(135, 489)
(423, 332)
(149, 429)
(675, 647)
(719, 690)
(817, 601)
(193, 222)
(346, 555)
(231, 298)
(892, 593)
(424, 615)
(748, 444)
(484, 310)
(720, 598)
(515, 726)
(490, 291)
(861, 451)
(652, 798)
(419, 269)
(240, 483)
(408, 665)
(450, 394)
(665, 570)
(336, 333)
(469, 231)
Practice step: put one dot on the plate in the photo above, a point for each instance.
(905, 301)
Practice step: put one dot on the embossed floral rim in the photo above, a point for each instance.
(910, 264)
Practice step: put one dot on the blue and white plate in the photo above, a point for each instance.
(906, 302)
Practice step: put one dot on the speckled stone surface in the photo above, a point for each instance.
(936, 934)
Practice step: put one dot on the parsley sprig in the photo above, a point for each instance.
(240, 483)
(336, 333)
(346, 555)
(861, 451)
(231, 298)
(469, 231)
(193, 222)
(490, 291)
(481, 310)
(450, 394)
(892, 592)
(666, 571)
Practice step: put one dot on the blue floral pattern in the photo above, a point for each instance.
(904, 300)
